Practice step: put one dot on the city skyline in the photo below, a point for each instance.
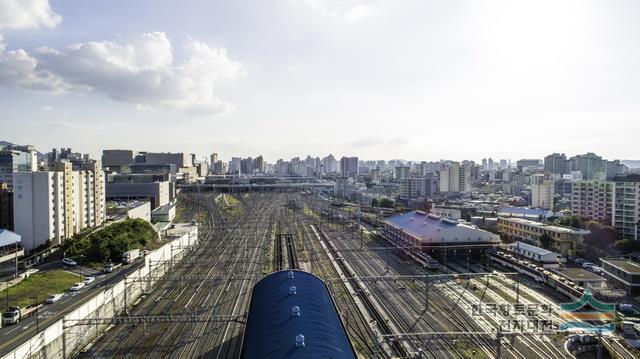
(272, 77)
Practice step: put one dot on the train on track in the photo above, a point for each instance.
(292, 315)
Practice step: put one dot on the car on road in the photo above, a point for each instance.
(88, 280)
(587, 265)
(53, 298)
(76, 287)
(580, 260)
(69, 262)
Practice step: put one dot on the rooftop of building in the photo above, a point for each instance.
(164, 208)
(273, 324)
(524, 211)
(545, 226)
(420, 223)
(579, 275)
(624, 264)
(531, 248)
(8, 237)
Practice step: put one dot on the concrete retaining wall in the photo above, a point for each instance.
(64, 338)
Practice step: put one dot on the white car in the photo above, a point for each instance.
(53, 298)
(88, 280)
(587, 265)
(76, 287)
(70, 262)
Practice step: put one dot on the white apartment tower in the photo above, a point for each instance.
(626, 208)
(542, 192)
(55, 205)
(450, 178)
(592, 199)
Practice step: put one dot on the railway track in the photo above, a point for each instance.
(235, 253)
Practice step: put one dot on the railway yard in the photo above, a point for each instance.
(390, 304)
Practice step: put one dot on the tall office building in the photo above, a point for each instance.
(349, 166)
(55, 205)
(592, 199)
(542, 192)
(14, 158)
(116, 159)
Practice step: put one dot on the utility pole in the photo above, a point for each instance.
(426, 292)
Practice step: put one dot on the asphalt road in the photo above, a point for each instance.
(12, 336)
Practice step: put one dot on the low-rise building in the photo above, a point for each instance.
(141, 210)
(582, 278)
(10, 246)
(156, 188)
(418, 228)
(164, 213)
(564, 240)
(535, 214)
(623, 273)
(547, 258)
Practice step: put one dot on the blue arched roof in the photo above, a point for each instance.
(272, 329)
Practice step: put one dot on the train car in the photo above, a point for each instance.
(292, 315)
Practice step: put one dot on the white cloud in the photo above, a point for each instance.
(18, 68)
(350, 11)
(47, 108)
(143, 72)
(22, 14)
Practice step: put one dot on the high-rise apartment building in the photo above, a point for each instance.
(556, 163)
(376, 176)
(349, 166)
(402, 172)
(213, 160)
(450, 178)
(55, 205)
(626, 206)
(542, 192)
(592, 199)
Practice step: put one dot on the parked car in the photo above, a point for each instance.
(587, 265)
(53, 298)
(76, 287)
(69, 262)
(88, 280)
(580, 260)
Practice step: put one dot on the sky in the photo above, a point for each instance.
(419, 80)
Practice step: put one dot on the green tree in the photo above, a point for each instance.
(628, 245)
(375, 202)
(387, 203)
(545, 241)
